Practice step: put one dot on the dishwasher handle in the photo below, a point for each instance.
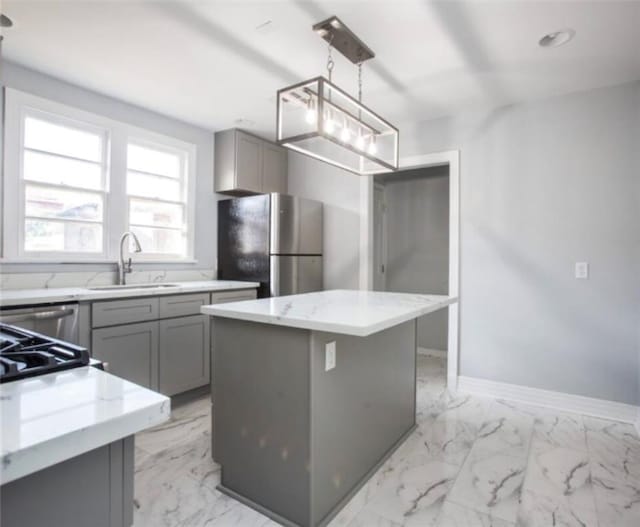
(42, 315)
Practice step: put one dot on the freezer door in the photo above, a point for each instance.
(292, 275)
(296, 225)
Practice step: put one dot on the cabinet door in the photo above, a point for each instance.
(184, 354)
(274, 168)
(131, 351)
(248, 163)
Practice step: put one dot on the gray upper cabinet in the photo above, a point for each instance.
(274, 168)
(246, 164)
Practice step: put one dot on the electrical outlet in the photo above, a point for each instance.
(330, 355)
(582, 270)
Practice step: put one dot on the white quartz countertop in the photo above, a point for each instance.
(349, 312)
(54, 417)
(21, 297)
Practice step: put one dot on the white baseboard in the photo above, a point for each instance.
(441, 354)
(556, 400)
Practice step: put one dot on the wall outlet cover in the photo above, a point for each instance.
(582, 270)
(330, 355)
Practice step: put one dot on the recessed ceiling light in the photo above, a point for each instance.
(5, 21)
(557, 38)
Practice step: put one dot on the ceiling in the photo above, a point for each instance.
(213, 63)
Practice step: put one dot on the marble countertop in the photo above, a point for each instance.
(349, 312)
(20, 297)
(54, 417)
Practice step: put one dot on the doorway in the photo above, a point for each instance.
(411, 243)
(450, 159)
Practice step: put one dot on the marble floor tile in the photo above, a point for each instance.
(509, 437)
(556, 470)
(184, 424)
(618, 504)
(557, 482)
(614, 450)
(453, 515)
(471, 462)
(367, 518)
(439, 439)
(414, 495)
(561, 429)
(537, 510)
(178, 500)
(490, 483)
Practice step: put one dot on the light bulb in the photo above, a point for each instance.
(372, 147)
(310, 115)
(345, 135)
(360, 142)
(329, 124)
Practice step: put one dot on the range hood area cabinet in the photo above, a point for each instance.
(246, 164)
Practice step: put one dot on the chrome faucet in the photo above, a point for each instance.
(125, 267)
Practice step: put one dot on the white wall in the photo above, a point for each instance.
(20, 78)
(544, 185)
(417, 218)
(340, 192)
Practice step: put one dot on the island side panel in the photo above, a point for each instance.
(261, 428)
(361, 410)
(94, 488)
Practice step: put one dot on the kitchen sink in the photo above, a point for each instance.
(130, 286)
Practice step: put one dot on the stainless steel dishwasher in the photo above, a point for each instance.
(58, 321)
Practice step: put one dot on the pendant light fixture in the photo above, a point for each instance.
(319, 119)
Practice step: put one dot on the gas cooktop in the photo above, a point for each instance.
(24, 354)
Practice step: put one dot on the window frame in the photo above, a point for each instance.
(19, 105)
(187, 162)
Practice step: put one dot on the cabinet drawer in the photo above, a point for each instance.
(233, 296)
(182, 305)
(114, 312)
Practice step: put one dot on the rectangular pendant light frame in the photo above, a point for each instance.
(325, 93)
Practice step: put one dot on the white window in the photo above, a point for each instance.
(62, 187)
(74, 182)
(158, 198)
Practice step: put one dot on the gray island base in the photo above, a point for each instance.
(295, 441)
(93, 489)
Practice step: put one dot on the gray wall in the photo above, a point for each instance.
(27, 80)
(340, 192)
(543, 185)
(418, 242)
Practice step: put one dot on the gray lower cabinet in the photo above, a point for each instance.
(183, 360)
(93, 489)
(130, 351)
(171, 352)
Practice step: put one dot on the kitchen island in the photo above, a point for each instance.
(311, 394)
(67, 448)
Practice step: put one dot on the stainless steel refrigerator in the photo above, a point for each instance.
(274, 239)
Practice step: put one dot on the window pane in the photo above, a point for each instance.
(156, 214)
(153, 186)
(154, 161)
(61, 170)
(68, 204)
(161, 241)
(61, 236)
(58, 139)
